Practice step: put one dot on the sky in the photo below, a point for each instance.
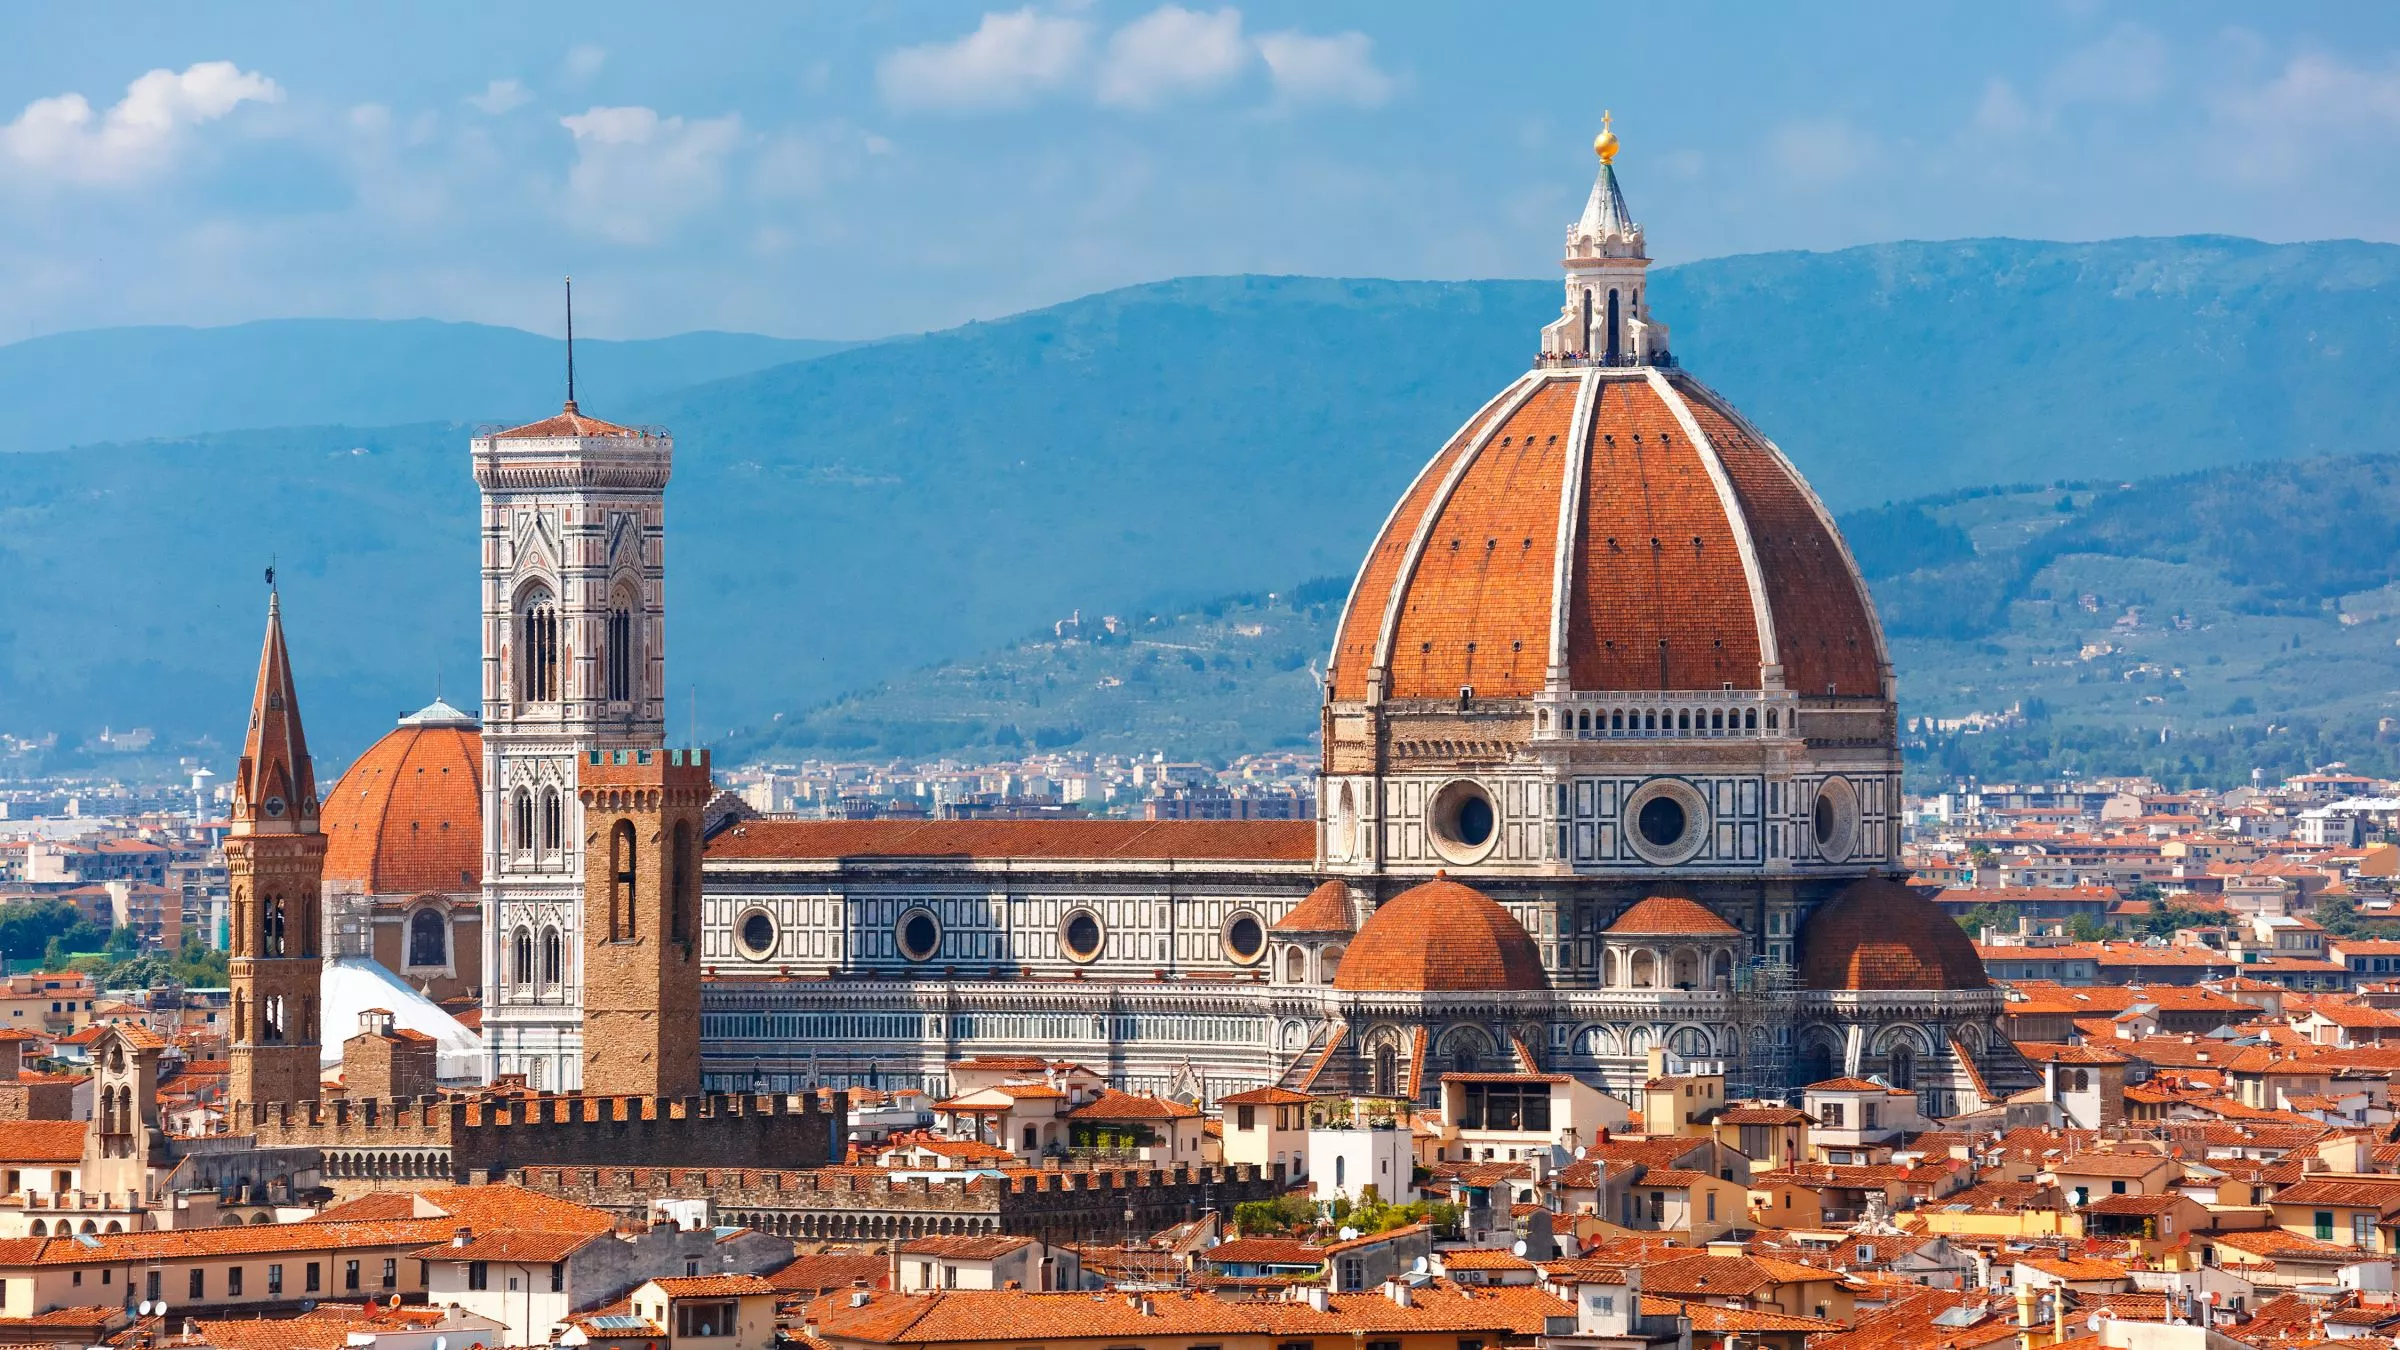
(861, 169)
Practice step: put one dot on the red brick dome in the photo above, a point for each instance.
(407, 817)
(1694, 556)
(1879, 934)
(1671, 915)
(1441, 937)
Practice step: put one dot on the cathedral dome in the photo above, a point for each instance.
(1441, 937)
(407, 817)
(1879, 934)
(1607, 524)
(1607, 530)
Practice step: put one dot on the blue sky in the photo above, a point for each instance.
(859, 169)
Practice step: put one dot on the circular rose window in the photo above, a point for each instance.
(920, 934)
(1245, 937)
(1080, 935)
(1464, 821)
(1666, 821)
(757, 934)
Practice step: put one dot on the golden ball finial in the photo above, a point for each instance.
(1605, 144)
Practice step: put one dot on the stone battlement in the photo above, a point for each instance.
(643, 768)
(836, 1203)
(478, 1139)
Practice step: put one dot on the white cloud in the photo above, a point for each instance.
(584, 60)
(500, 96)
(637, 174)
(2129, 67)
(2317, 93)
(2314, 111)
(2001, 111)
(64, 138)
(1008, 60)
(1336, 69)
(1171, 52)
(1822, 152)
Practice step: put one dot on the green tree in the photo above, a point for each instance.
(2090, 928)
(1988, 915)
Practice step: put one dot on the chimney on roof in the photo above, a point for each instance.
(460, 1236)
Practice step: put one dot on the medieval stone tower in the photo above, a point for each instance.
(574, 660)
(275, 861)
(641, 814)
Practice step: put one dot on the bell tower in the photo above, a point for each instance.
(275, 864)
(574, 661)
(641, 947)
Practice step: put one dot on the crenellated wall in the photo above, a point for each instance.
(431, 1141)
(845, 1204)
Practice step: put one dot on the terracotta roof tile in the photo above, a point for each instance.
(567, 422)
(1326, 910)
(42, 1141)
(407, 816)
(717, 1286)
(1441, 936)
(1476, 610)
(1362, 622)
(1660, 598)
(1878, 934)
(1670, 914)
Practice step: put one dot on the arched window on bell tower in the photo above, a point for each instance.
(521, 822)
(620, 648)
(620, 883)
(553, 822)
(537, 647)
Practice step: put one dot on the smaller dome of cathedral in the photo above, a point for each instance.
(1879, 934)
(1441, 937)
(407, 815)
(1326, 910)
(1671, 915)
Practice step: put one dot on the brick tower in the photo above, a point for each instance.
(641, 931)
(275, 861)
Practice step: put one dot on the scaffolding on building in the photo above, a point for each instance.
(1766, 1006)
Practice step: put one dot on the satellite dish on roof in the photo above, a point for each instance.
(1418, 1267)
(145, 1309)
(441, 1343)
(1517, 1248)
(1345, 1234)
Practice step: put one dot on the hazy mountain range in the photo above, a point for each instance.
(2196, 625)
(840, 521)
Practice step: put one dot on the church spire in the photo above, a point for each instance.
(275, 789)
(1606, 227)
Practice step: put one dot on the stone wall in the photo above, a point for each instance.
(428, 1141)
(853, 1204)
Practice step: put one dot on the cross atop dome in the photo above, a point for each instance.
(1605, 320)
